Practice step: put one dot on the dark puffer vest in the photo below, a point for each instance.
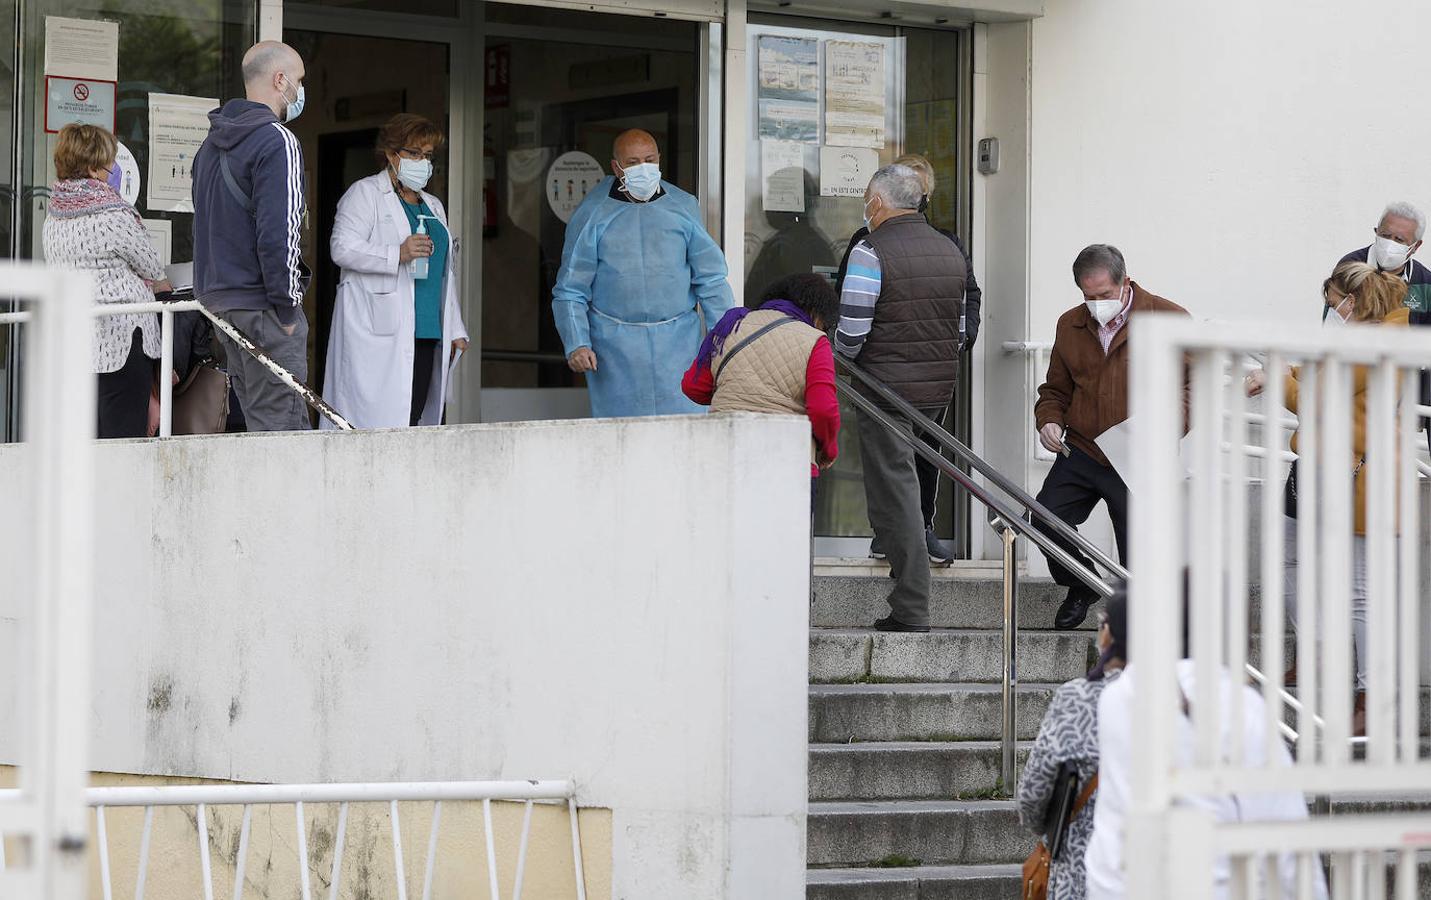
(913, 345)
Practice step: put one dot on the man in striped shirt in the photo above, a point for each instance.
(249, 210)
(900, 306)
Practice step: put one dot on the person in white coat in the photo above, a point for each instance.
(397, 329)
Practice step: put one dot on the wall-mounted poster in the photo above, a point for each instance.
(782, 176)
(569, 180)
(854, 94)
(789, 89)
(82, 48)
(846, 171)
(177, 128)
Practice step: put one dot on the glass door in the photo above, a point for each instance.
(560, 86)
(830, 103)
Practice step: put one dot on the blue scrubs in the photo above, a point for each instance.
(636, 281)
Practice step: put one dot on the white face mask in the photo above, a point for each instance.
(414, 173)
(1388, 255)
(1105, 311)
(641, 181)
(1334, 318)
(866, 215)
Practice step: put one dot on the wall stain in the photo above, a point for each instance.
(161, 694)
(233, 710)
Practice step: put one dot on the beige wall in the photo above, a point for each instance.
(271, 866)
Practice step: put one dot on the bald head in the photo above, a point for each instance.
(272, 72)
(633, 148)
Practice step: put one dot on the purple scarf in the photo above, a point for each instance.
(715, 338)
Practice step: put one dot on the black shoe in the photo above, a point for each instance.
(939, 552)
(1074, 609)
(876, 551)
(890, 623)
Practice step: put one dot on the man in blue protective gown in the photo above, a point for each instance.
(638, 275)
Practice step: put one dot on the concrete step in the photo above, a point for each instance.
(907, 770)
(940, 832)
(914, 883)
(848, 655)
(840, 713)
(956, 601)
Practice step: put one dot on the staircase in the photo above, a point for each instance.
(906, 801)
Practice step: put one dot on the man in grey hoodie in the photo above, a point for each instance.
(249, 211)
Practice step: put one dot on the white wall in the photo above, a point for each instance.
(1234, 151)
(624, 603)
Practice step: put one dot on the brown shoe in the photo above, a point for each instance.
(1358, 722)
(1289, 678)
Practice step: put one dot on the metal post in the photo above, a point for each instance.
(166, 373)
(1010, 538)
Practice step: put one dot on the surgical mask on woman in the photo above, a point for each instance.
(1334, 318)
(641, 181)
(414, 173)
(1388, 255)
(1105, 311)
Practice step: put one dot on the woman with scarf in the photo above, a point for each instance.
(775, 359)
(91, 227)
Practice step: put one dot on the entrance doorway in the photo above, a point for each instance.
(560, 86)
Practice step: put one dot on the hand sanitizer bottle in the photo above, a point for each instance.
(419, 264)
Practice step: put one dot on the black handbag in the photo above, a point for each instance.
(1061, 807)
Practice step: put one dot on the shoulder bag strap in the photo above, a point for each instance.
(232, 184)
(1083, 797)
(730, 354)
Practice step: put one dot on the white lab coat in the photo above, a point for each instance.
(370, 347)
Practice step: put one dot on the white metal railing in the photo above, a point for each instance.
(166, 309)
(1203, 523)
(204, 797)
(46, 813)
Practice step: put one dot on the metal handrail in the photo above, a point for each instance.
(1031, 506)
(166, 310)
(1005, 519)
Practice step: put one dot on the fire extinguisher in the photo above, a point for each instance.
(489, 192)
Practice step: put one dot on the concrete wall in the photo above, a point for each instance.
(621, 603)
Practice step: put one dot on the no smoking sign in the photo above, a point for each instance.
(79, 101)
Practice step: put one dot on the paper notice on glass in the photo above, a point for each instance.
(1117, 444)
(846, 171)
(782, 176)
(854, 94)
(177, 127)
(161, 235)
(81, 48)
(788, 89)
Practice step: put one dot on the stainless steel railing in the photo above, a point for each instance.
(1013, 516)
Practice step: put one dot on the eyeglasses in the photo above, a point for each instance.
(412, 153)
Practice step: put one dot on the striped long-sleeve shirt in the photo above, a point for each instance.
(857, 300)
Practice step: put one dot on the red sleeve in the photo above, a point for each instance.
(698, 384)
(821, 403)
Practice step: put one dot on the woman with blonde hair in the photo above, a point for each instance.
(1355, 293)
(939, 552)
(90, 227)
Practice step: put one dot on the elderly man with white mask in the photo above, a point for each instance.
(1399, 235)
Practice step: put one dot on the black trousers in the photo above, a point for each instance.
(424, 357)
(928, 474)
(1071, 490)
(124, 395)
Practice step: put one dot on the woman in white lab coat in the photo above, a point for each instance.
(395, 337)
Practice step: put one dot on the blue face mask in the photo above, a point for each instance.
(295, 106)
(641, 181)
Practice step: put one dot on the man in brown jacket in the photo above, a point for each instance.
(1085, 394)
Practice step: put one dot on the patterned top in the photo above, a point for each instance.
(1106, 333)
(87, 231)
(1069, 732)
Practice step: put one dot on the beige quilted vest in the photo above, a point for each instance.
(768, 375)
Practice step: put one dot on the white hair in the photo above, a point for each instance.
(1403, 210)
(898, 185)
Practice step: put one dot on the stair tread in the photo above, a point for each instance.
(927, 687)
(907, 873)
(914, 745)
(867, 630)
(881, 807)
